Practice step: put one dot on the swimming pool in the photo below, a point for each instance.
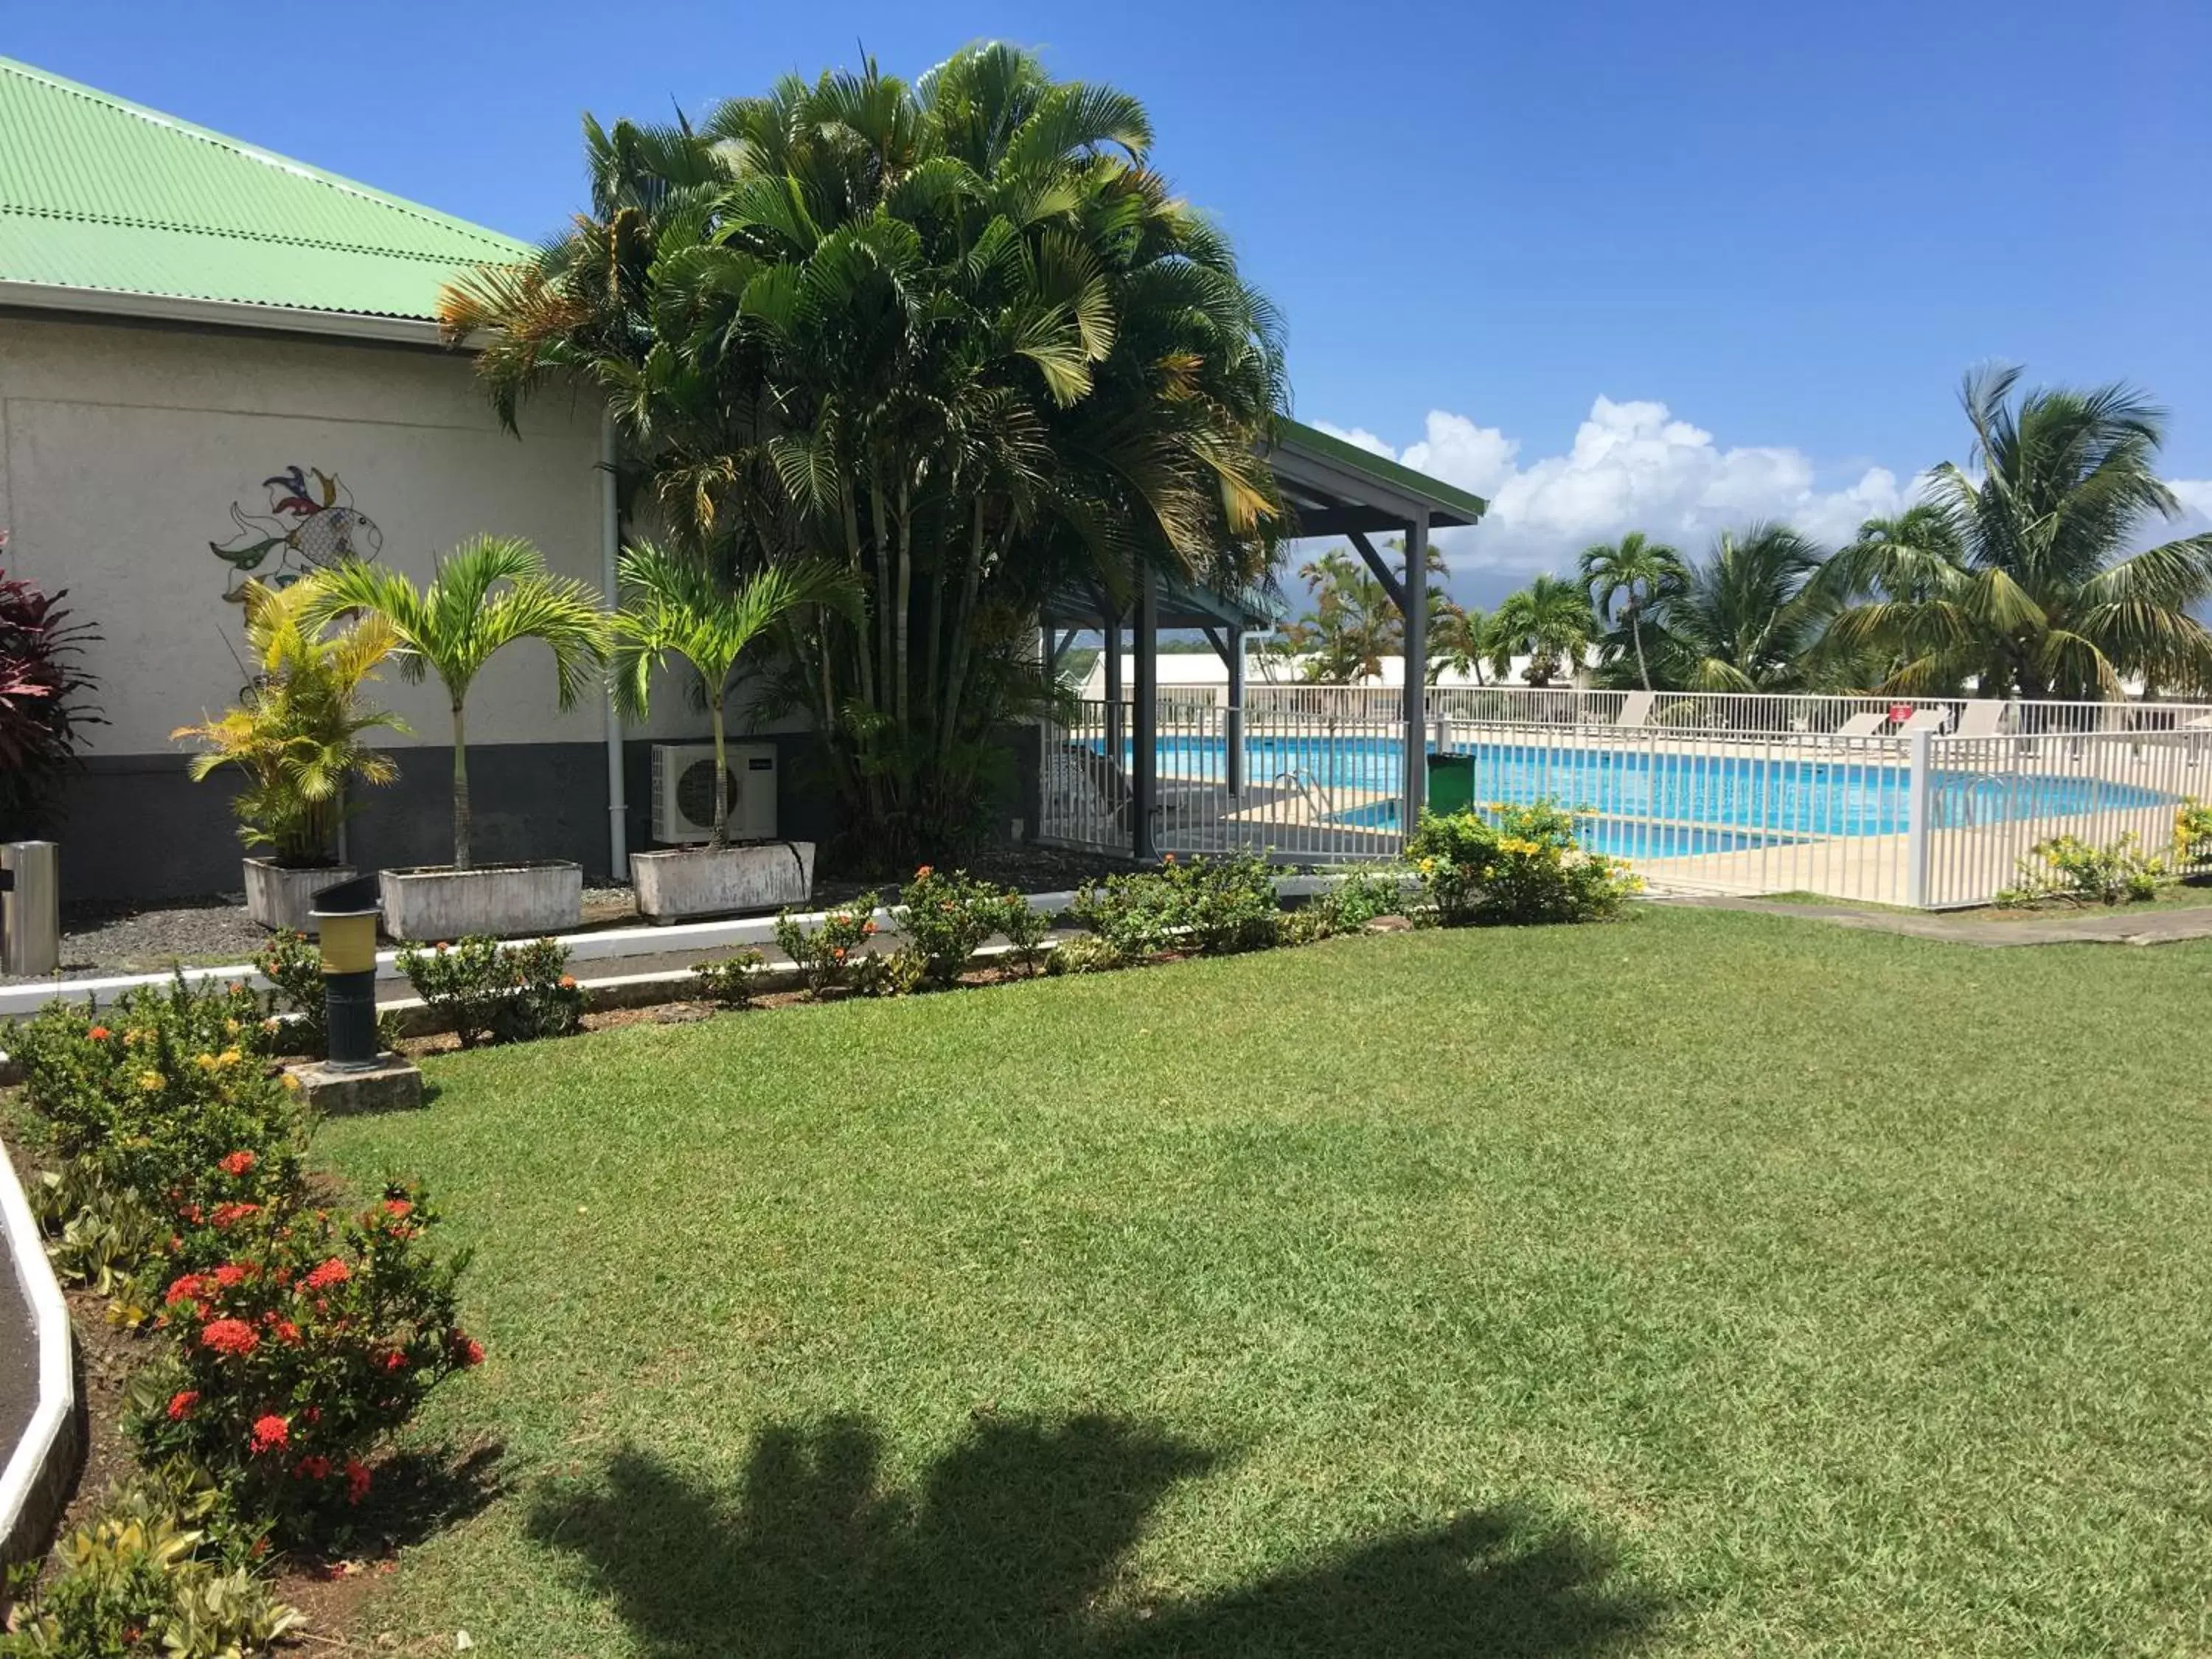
(1628, 792)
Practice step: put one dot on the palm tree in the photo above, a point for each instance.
(1459, 640)
(1549, 621)
(487, 594)
(1639, 573)
(1748, 617)
(674, 608)
(2018, 577)
(955, 336)
(297, 730)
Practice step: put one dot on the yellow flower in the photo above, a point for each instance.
(150, 1081)
(227, 1057)
(205, 1062)
(231, 1026)
(291, 1082)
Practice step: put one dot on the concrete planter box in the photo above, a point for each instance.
(702, 881)
(277, 896)
(507, 901)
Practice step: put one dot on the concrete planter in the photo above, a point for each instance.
(702, 881)
(277, 896)
(507, 900)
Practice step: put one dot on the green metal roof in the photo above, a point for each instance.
(1453, 506)
(98, 193)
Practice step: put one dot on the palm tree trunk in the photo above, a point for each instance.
(1636, 630)
(461, 819)
(905, 599)
(722, 837)
(963, 621)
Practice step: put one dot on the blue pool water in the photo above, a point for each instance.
(1634, 795)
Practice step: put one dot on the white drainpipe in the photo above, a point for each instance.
(609, 548)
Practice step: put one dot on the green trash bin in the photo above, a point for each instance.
(1451, 783)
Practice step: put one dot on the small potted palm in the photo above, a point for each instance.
(488, 593)
(674, 609)
(296, 735)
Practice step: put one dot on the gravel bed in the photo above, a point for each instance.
(214, 931)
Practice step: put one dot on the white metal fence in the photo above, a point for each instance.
(1932, 803)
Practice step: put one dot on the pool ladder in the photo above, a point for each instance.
(1317, 800)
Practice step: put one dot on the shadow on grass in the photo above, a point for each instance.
(1013, 1544)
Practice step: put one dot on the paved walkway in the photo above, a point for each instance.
(2119, 925)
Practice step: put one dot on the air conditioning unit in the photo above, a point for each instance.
(683, 791)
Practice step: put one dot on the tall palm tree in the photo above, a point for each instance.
(675, 609)
(1748, 617)
(1549, 621)
(489, 593)
(1639, 573)
(1459, 640)
(2015, 573)
(955, 336)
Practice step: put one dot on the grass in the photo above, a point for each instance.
(1713, 1283)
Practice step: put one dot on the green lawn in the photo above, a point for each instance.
(1712, 1283)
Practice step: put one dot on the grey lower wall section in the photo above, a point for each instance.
(134, 827)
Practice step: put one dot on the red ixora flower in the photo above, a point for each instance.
(231, 1273)
(922, 872)
(236, 1164)
(230, 1336)
(227, 1213)
(394, 1360)
(314, 1467)
(181, 1403)
(332, 1272)
(397, 1208)
(284, 1330)
(357, 1480)
(568, 982)
(467, 1351)
(269, 1432)
(188, 1289)
(99, 1034)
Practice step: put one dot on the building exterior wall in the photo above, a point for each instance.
(125, 451)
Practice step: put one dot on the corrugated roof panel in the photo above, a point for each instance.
(96, 192)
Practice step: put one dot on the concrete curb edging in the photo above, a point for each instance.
(34, 1485)
(608, 944)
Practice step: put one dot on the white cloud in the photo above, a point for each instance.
(2196, 497)
(1631, 466)
(1360, 436)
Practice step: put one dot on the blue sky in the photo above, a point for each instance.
(1791, 226)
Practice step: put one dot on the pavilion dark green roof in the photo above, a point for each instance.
(97, 194)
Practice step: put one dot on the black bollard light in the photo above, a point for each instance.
(345, 926)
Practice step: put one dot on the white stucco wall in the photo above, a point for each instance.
(124, 449)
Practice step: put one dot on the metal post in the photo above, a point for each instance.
(1112, 636)
(30, 907)
(1143, 770)
(1918, 801)
(1417, 667)
(1233, 724)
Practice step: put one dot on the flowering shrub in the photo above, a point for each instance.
(2068, 869)
(145, 1096)
(313, 1336)
(1214, 906)
(833, 956)
(1353, 900)
(729, 981)
(1516, 864)
(944, 915)
(1025, 930)
(493, 993)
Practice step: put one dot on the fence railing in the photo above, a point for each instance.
(1933, 804)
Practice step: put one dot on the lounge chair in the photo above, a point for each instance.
(1635, 711)
(1924, 720)
(1979, 717)
(1860, 725)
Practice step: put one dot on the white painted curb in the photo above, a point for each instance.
(31, 1492)
(609, 945)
